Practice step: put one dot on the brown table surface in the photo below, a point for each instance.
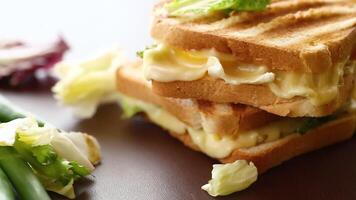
(141, 161)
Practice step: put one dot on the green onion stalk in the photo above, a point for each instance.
(35, 157)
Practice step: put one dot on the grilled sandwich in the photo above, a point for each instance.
(243, 81)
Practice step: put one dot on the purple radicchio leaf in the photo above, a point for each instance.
(21, 63)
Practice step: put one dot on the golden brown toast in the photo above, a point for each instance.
(224, 119)
(291, 35)
(259, 96)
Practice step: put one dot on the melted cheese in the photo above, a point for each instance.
(222, 146)
(319, 88)
(166, 64)
(154, 113)
(212, 144)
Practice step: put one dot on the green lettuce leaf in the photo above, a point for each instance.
(129, 109)
(44, 154)
(196, 8)
(84, 86)
(54, 172)
(232, 177)
(54, 156)
(79, 171)
(311, 123)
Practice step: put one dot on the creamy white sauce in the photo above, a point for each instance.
(166, 64)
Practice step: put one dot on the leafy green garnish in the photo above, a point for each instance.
(312, 123)
(78, 170)
(182, 8)
(142, 52)
(128, 109)
(56, 171)
(48, 165)
(44, 154)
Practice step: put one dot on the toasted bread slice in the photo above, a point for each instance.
(291, 35)
(224, 119)
(260, 96)
(268, 155)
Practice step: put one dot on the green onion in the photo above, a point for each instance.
(6, 192)
(9, 112)
(21, 175)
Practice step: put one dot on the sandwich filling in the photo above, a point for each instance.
(214, 145)
(167, 64)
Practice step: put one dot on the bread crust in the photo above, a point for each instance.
(269, 155)
(278, 38)
(260, 96)
(223, 119)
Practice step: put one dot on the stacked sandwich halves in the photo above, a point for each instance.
(262, 86)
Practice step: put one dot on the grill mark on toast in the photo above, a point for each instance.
(353, 55)
(293, 18)
(205, 106)
(233, 117)
(301, 26)
(239, 109)
(299, 37)
(250, 19)
(251, 117)
(212, 108)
